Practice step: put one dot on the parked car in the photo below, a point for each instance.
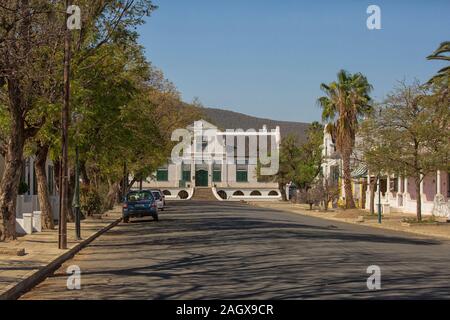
(139, 204)
(164, 197)
(159, 198)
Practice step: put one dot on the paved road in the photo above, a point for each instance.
(207, 250)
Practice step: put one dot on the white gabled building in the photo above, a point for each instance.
(206, 167)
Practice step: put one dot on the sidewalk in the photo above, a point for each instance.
(391, 221)
(42, 256)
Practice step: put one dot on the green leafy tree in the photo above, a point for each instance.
(346, 102)
(30, 36)
(299, 163)
(31, 39)
(310, 156)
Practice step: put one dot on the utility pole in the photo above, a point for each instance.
(76, 197)
(125, 181)
(64, 172)
(379, 198)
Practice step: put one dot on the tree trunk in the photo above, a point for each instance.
(282, 187)
(119, 195)
(9, 186)
(372, 197)
(418, 200)
(57, 166)
(326, 195)
(43, 195)
(70, 193)
(363, 198)
(69, 213)
(349, 202)
(111, 197)
(84, 175)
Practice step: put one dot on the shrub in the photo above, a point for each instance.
(90, 201)
(23, 187)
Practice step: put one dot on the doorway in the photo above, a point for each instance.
(201, 178)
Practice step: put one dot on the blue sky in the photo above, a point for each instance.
(267, 58)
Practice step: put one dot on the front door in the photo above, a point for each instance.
(201, 178)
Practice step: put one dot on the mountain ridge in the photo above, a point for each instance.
(226, 119)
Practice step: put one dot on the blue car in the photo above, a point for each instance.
(139, 204)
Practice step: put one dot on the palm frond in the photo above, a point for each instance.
(444, 47)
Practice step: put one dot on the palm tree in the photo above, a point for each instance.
(441, 53)
(345, 102)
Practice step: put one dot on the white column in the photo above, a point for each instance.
(423, 196)
(399, 191)
(438, 183)
(421, 184)
(210, 174)
(405, 185)
(224, 173)
(192, 173)
(368, 190)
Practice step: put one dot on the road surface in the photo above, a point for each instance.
(213, 250)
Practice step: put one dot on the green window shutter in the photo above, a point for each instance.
(186, 175)
(217, 176)
(241, 176)
(162, 175)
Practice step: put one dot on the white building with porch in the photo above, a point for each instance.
(27, 204)
(398, 193)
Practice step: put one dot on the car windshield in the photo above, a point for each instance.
(139, 196)
(156, 195)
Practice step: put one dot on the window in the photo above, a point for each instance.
(156, 195)
(183, 194)
(217, 176)
(186, 172)
(394, 185)
(334, 175)
(217, 173)
(222, 194)
(186, 175)
(162, 175)
(241, 173)
(139, 196)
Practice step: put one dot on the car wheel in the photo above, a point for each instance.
(156, 218)
(126, 219)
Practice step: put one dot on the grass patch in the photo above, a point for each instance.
(428, 220)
